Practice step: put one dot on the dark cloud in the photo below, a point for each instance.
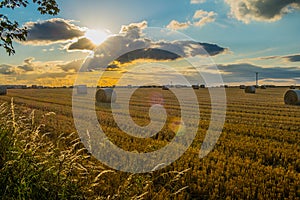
(267, 10)
(82, 44)
(157, 54)
(190, 48)
(289, 58)
(131, 44)
(51, 31)
(243, 72)
(7, 69)
(293, 58)
(172, 51)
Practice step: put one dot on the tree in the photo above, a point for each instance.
(10, 31)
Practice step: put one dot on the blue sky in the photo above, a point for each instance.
(255, 34)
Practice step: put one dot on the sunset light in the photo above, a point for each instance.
(161, 99)
(96, 36)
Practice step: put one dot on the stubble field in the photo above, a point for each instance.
(256, 157)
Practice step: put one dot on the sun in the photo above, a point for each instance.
(96, 36)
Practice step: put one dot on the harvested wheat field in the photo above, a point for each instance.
(256, 157)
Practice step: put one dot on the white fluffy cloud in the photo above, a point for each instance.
(204, 17)
(258, 10)
(175, 25)
(133, 30)
(200, 18)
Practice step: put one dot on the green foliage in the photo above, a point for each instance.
(10, 31)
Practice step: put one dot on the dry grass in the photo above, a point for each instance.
(257, 156)
(35, 165)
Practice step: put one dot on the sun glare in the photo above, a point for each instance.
(96, 36)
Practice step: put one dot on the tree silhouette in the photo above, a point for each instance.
(10, 31)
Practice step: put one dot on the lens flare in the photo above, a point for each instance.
(177, 126)
(156, 98)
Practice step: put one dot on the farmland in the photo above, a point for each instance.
(256, 157)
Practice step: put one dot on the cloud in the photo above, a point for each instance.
(133, 30)
(43, 73)
(175, 25)
(188, 48)
(131, 44)
(150, 53)
(81, 44)
(52, 31)
(27, 65)
(26, 68)
(200, 18)
(293, 58)
(288, 58)
(21, 69)
(197, 1)
(204, 17)
(256, 10)
(7, 69)
(29, 60)
(72, 66)
(243, 72)
(32, 68)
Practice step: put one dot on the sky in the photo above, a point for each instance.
(239, 37)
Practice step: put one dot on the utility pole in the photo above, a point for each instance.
(256, 79)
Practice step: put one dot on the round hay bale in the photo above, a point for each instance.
(106, 95)
(292, 97)
(3, 90)
(82, 89)
(164, 87)
(195, 87)
(250, 89)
